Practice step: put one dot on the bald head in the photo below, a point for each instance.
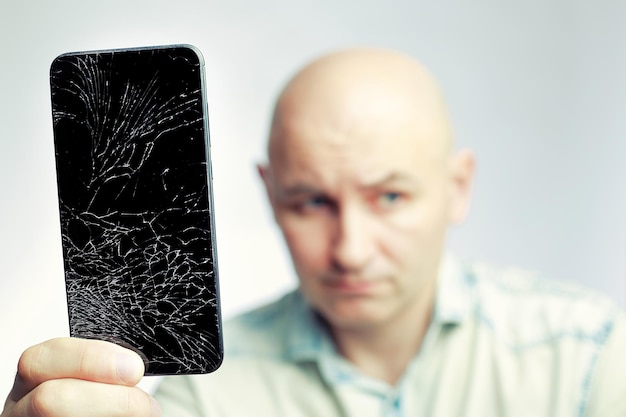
(363, 185)
(353, 91)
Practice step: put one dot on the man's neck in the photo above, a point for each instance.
(384, 352)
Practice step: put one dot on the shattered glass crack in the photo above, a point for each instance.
(135, 208)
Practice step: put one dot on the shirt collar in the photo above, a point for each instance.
(307, 339)
(454, 300)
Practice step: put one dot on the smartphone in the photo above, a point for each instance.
(136, 208)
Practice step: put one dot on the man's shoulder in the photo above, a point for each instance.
(526, 307)
(262, 331)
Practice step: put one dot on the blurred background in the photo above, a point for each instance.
(535, 87)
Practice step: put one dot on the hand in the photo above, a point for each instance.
(79, 378)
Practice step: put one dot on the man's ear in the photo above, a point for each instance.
(462, 166)
(266, 176)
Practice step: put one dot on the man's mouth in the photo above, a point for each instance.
(352, 287)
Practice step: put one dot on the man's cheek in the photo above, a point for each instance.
(309, 253)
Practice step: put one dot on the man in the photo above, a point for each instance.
(364, 182)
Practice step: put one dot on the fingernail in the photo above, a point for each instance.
(156, 407)
(129, 367)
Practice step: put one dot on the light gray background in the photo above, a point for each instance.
(536, 87)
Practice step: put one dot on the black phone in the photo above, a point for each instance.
(135, 196)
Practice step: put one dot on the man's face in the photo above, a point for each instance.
(364, 211)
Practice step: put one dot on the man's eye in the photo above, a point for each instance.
(316, 201)
(312, 204)
(389, 198)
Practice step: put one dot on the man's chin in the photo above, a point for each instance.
(353, 317)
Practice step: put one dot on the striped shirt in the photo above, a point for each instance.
(502, 342)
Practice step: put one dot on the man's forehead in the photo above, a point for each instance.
(301, 174)
(363, 151)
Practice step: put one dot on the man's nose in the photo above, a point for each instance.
(353, 246)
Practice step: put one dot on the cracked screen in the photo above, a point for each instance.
(133, 173)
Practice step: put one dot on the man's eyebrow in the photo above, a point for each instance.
(391, 178)
(296, 190)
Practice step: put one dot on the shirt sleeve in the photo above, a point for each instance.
(608, 385)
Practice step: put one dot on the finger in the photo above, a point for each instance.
(78, 398)
(18, 391)
(91, 360)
